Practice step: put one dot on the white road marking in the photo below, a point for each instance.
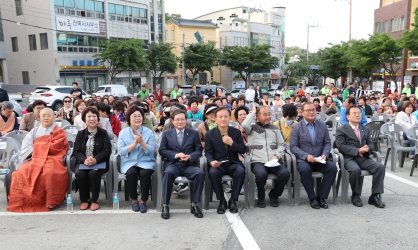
(88, 212)
(241, 231)
(411, 183)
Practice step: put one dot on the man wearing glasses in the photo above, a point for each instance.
(180, 148)
(310, 143)
(32, 120)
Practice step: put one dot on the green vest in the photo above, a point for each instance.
(174, 94)
(407, 91)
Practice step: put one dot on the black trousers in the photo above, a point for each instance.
(377, 169)
(235, 170)
(172, 171)
(261, 173)
(90, 179)
(132, 182)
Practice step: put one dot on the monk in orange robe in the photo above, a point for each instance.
(41, 181)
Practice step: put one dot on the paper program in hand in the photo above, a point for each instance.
(272, 163)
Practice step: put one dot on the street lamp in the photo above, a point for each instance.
(350, 71)
(307, 45)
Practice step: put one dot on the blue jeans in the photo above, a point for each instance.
(411, 144)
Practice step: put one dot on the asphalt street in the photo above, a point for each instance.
(342, 226)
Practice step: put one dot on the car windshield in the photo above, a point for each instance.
(100, 89)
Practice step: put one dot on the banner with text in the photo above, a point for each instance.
(80, 25)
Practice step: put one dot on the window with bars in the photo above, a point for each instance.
(25, 77)
(32, 42)
(19, 10)
(44, 41)
(15, 47)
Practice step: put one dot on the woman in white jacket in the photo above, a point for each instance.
(406, 120)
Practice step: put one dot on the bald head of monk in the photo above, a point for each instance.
(47, 117)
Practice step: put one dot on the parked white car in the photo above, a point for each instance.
(52, 95)
(236, 92)
(314, 90)
(115, 90)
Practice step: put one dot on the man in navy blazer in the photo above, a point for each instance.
(194, 91)
(354, 143)
(222, 146)
(310, 139)
(180, 148)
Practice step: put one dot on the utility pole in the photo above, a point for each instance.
(183, 66)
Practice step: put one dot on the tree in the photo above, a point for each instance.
(357, 61)
(122, 55)
(410, 37)
(297, 69)
(383, 51)
(247, 60)
(201, 56)
(168, 16)
(161, 58)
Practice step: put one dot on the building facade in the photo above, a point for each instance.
(394, 17)
(238, 26)
(183, 32)
(3, 66)
(53, 42)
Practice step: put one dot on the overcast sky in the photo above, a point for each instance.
(331, 15)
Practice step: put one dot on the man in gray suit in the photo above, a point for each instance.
(354, 143)
(310, 143)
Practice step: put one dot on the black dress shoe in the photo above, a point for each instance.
(261, 203)
(374, 200)
(314, 204)
(222, 207)
(165, 212)
(196, 211)
(322, 202)
(232, 206)
(274, 200)
(355, 199)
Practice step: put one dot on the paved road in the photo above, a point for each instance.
(340, 227)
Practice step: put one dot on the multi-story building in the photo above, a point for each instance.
(3, 69)
(393, 17)
(238, 26)
(183, 32)
(53, 41)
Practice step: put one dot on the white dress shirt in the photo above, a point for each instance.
(249, 95)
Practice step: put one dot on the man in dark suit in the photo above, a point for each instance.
(208, 91)
(309, 140)
(181, 147)
(194, 91)
(3, 95)
(222, 146)
(354, 143)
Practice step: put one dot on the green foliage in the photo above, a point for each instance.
(410, 37)
(201, 56)
(161, 58)
(297, 70)
(168, 16)
(295, 50)
(247, 60)
(122, 55)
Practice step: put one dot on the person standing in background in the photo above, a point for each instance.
(158, 94)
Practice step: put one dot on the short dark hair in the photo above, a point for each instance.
(306, 103)
(132, 110)
(372, 98)
(349, 109)
(75, 83)
(406, 98)
(363, 98)
(38, 103)
(167, 95)
(66, 97)
(92, 109)
(104, 108)
(316, 100)
(238, 109)
(118, 105)
(216, 99)
(222, 108)
(289, 110)
(178, 111)
(303, 99)
(193, 100)
(240, 98)
(351, 100)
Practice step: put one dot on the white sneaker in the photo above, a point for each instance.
(182, 189)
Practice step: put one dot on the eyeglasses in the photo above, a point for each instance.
(136, 116)
(355, 113)
(310, 110)
(179, 120)
(67, 101)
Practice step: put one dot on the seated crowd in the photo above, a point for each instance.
(264, 132)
